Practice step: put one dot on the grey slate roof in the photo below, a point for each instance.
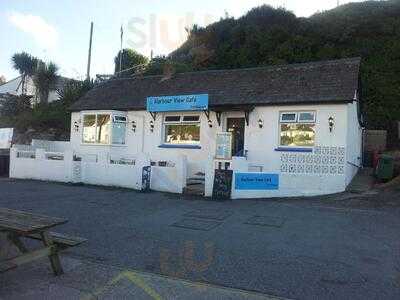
(318, 82)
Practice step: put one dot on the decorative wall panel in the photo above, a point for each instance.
(323, 160)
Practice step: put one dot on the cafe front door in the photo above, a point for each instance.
(237, 126)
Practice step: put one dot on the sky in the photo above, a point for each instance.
(58, 31)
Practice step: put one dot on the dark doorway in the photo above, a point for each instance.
(236, 126)
(4, 163)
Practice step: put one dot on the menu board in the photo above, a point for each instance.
(222, 185)
(224, 145)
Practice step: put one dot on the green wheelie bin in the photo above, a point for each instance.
(385, 168)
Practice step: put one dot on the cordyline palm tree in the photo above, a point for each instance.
(26, 65)
(44, 77)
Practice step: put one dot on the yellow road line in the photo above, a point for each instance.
(133, 278)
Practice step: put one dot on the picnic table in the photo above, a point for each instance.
(18, 224)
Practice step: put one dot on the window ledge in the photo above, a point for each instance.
(180, 146)
(293, 149)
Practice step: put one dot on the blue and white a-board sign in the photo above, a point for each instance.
(177, 103)
(256, 181)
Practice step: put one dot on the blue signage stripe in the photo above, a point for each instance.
(177, 103)
(256, 181)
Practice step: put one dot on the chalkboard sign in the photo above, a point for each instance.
(222, 185)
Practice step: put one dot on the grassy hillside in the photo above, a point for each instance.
(268, 36)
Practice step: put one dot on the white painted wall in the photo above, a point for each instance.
(170, 179)
(39, 167)
(104, 173)
(30, 163)
(354, 142)
(148, 142)
(14, 87)
(259, 142)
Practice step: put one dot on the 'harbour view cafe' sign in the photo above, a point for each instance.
(177, 103)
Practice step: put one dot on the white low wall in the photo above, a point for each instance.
(104, 173)
(61, 167)
(28, 164)
(289, 185)
(170, 178)
(97, 168)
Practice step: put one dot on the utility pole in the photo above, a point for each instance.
(90, 52)
(120, 53)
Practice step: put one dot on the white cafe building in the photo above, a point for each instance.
(289, 130)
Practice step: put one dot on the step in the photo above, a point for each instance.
(196, 178)
(194, 190)
(194, 182)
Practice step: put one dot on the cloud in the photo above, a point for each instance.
(43, 33)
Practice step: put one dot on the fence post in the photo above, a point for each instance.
(181, 165)
(13, 157)
(68, 165)
(209, 178)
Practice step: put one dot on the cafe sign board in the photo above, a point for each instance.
(224, 145)
(178, 103)
(256, 181)
(6, 136)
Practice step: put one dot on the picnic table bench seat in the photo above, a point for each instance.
(63, 241)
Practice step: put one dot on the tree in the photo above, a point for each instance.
(12, 105)
(164, 66)
(73, 90)
(44, 77)
(2, 79)
(130, 59)
(15, 111)
(269, 36)
(26, 65)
